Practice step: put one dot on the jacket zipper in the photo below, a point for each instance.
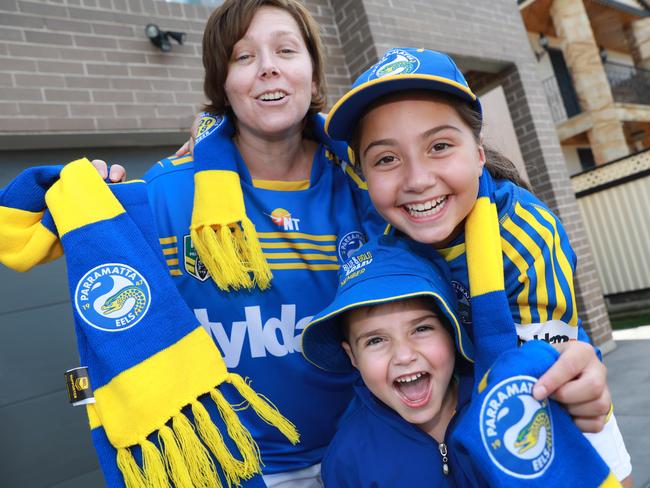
(442, 447)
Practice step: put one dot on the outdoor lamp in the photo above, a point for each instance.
(160, 39)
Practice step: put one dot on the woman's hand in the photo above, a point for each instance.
(188, 147)
(117, 174)
(578, 379)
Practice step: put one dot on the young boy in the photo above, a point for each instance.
(416, 419)
(395, 317)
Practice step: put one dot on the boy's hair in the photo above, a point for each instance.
(344, 322)
(499, 166)
(228, 24)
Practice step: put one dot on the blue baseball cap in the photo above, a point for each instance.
(386, 269)
(400, 69)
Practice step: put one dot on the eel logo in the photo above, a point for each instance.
(193, 264)
(207, 125)
(112, 297)
(282, 218)
(395, 62)
(350, 243)
(516, 429)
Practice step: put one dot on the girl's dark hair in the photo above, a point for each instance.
(499, 166)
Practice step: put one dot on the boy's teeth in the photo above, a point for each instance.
(427, 208)
(408, 379)
(272, 96)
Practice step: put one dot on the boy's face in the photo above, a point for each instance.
(405, 357)
(422, 165)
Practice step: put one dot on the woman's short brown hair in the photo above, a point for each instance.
(228, 24)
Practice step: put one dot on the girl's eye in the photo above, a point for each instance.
(373, 341)
(440, 146)
(385, 160)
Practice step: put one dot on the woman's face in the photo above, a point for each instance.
(270, 76)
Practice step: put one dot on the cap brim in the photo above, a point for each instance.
(321, 339)
(347, 111)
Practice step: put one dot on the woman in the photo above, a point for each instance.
(264, 69)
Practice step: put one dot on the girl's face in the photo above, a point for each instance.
(270, 76)
(422, 164)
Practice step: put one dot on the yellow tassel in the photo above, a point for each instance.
(153, 466)
(234, 263)
(174, 459)
(199, 462)
(264, 408)
(247, 446)
(255, 256)
(207, 248)
(232, 468)
(133, 475)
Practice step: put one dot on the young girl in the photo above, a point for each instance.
(415, 126)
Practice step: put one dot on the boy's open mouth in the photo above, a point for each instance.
(414, 390)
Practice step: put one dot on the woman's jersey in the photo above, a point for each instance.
(305, 229)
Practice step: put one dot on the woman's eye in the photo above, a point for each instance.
(243, 57)
(440, 146)
(287, 50)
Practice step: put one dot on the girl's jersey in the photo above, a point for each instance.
(305, 229)
(539, 264)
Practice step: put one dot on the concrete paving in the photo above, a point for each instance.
(629, 381)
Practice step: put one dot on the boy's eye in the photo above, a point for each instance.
(423, 328)
(373, 341)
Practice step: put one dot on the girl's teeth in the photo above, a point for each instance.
(428, 208)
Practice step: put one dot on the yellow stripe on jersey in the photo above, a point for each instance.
(297, 255)
(309, 266)
(175, 272)
(520, 263)
(298, 245)
(181, 160)
(355, 177)
(545, 233)
(451, 253)
(279, 185)
(296, 235)
(170, 250)
(172, 262)
(168, 240)
(539, 264)
(565, 266)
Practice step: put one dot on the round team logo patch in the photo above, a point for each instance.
(350, 243)
(112, 297)
(516, 429)
(207, 125)
(395, 62)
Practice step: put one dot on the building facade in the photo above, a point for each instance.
(79, 77)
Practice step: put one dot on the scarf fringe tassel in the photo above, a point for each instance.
(232, 253)
(183, 459)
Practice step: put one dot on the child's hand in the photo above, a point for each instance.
(578, 379)
(188, 147)
(118, 173)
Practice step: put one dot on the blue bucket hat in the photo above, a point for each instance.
(386, 269)
(400, 69)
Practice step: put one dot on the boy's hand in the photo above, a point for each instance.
(578, 379)
(117, 174)
(188, 147)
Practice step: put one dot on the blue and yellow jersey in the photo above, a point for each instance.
(539, 265)
(306, 229)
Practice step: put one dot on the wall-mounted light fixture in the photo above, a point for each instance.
(160, 39)
(543, 44)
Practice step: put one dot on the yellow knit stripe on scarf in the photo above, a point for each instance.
(223, 235)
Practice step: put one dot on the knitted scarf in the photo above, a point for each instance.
(224, 237)
(505, 437)
(153, 368)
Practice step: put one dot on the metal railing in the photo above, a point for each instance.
(629, 84)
